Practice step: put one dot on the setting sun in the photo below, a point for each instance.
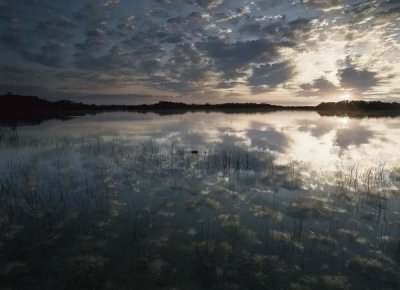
(345, 97)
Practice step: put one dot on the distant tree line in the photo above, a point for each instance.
(11, 104)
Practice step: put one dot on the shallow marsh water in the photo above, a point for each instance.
(285, 200)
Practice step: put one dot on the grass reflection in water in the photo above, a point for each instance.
(96, 214)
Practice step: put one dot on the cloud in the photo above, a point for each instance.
(115, 59)
(107, 3)
(94, 39)
(323, 3)
(317, 128)
(228, 85)
(271, 74)
(319, 87)
(206, 48)
(49, 54)
(61, 28)
(355, 134)
(277, 28)
(208, 4)
(232, 58)
(358, 79)
(268, 139)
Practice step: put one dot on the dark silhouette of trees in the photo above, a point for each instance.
(17, 107)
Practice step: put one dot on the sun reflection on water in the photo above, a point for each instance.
(344, 122)
(214, 191)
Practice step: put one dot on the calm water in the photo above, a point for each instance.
(286, 200)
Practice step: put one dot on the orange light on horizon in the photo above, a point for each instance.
(345, 97)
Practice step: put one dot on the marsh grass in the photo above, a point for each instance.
(115, 214)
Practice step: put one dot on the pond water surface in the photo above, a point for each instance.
(283, 200)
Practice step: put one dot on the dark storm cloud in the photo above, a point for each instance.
(277, 28)
(228, 85)
(114, 59)
(320, 86)
(94, 39)
(358, 79)
(389, 8)
(378, 8)
(12, 75)
(49, 54)
(42, 42)
(271, 74)
(57, 28)
(231, 58)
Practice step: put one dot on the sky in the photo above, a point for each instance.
(290, 52)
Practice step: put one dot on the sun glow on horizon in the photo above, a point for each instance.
(344, 122)
(345, 97)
